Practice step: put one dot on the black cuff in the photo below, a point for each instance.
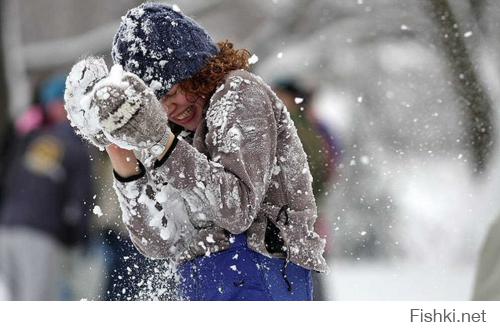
(131, 178)
(159, 163)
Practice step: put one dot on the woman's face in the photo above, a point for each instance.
(183, 109)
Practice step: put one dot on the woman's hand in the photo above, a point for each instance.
(79, 85)
(130, 114)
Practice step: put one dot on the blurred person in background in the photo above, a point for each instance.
(8, 139)
(32, 119)
(43, 212)
(322, 155)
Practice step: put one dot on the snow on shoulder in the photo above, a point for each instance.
(239, 89)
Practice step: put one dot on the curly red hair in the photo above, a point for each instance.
(204, 83)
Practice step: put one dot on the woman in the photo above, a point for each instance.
(219, 182)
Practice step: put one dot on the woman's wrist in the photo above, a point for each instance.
(123, 161)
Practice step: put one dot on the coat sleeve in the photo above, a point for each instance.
(156, 220)
(228, 185)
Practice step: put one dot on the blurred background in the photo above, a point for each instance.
(396, 102)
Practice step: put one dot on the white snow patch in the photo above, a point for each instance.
(253, 59)
(210, 239)
(97, 210)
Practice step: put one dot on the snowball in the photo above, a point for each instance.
(97, 210)
(81, 80)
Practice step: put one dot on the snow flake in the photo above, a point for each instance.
(97, 211)
(155, 85)
(210, 239)
(276, 169)
(253, 59)
(232, 140)
(202, 245)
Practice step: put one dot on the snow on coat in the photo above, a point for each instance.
(245, 167)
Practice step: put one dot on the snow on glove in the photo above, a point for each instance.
(79, 86)
(129, 112)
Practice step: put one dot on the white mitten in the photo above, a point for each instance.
(79, 86)
(129, 112)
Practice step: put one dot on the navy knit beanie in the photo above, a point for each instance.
(161, 45)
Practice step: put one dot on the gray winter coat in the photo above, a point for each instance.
(245, 168)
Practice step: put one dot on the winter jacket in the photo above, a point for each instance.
(48, 185)
(245, 171)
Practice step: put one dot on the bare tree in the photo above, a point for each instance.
(478, 8)
(475, 102)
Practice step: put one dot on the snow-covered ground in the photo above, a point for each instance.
(387, 281)
(399, 281)
(3, 291)
(444, 217)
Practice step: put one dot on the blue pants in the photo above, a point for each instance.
(242, 274)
